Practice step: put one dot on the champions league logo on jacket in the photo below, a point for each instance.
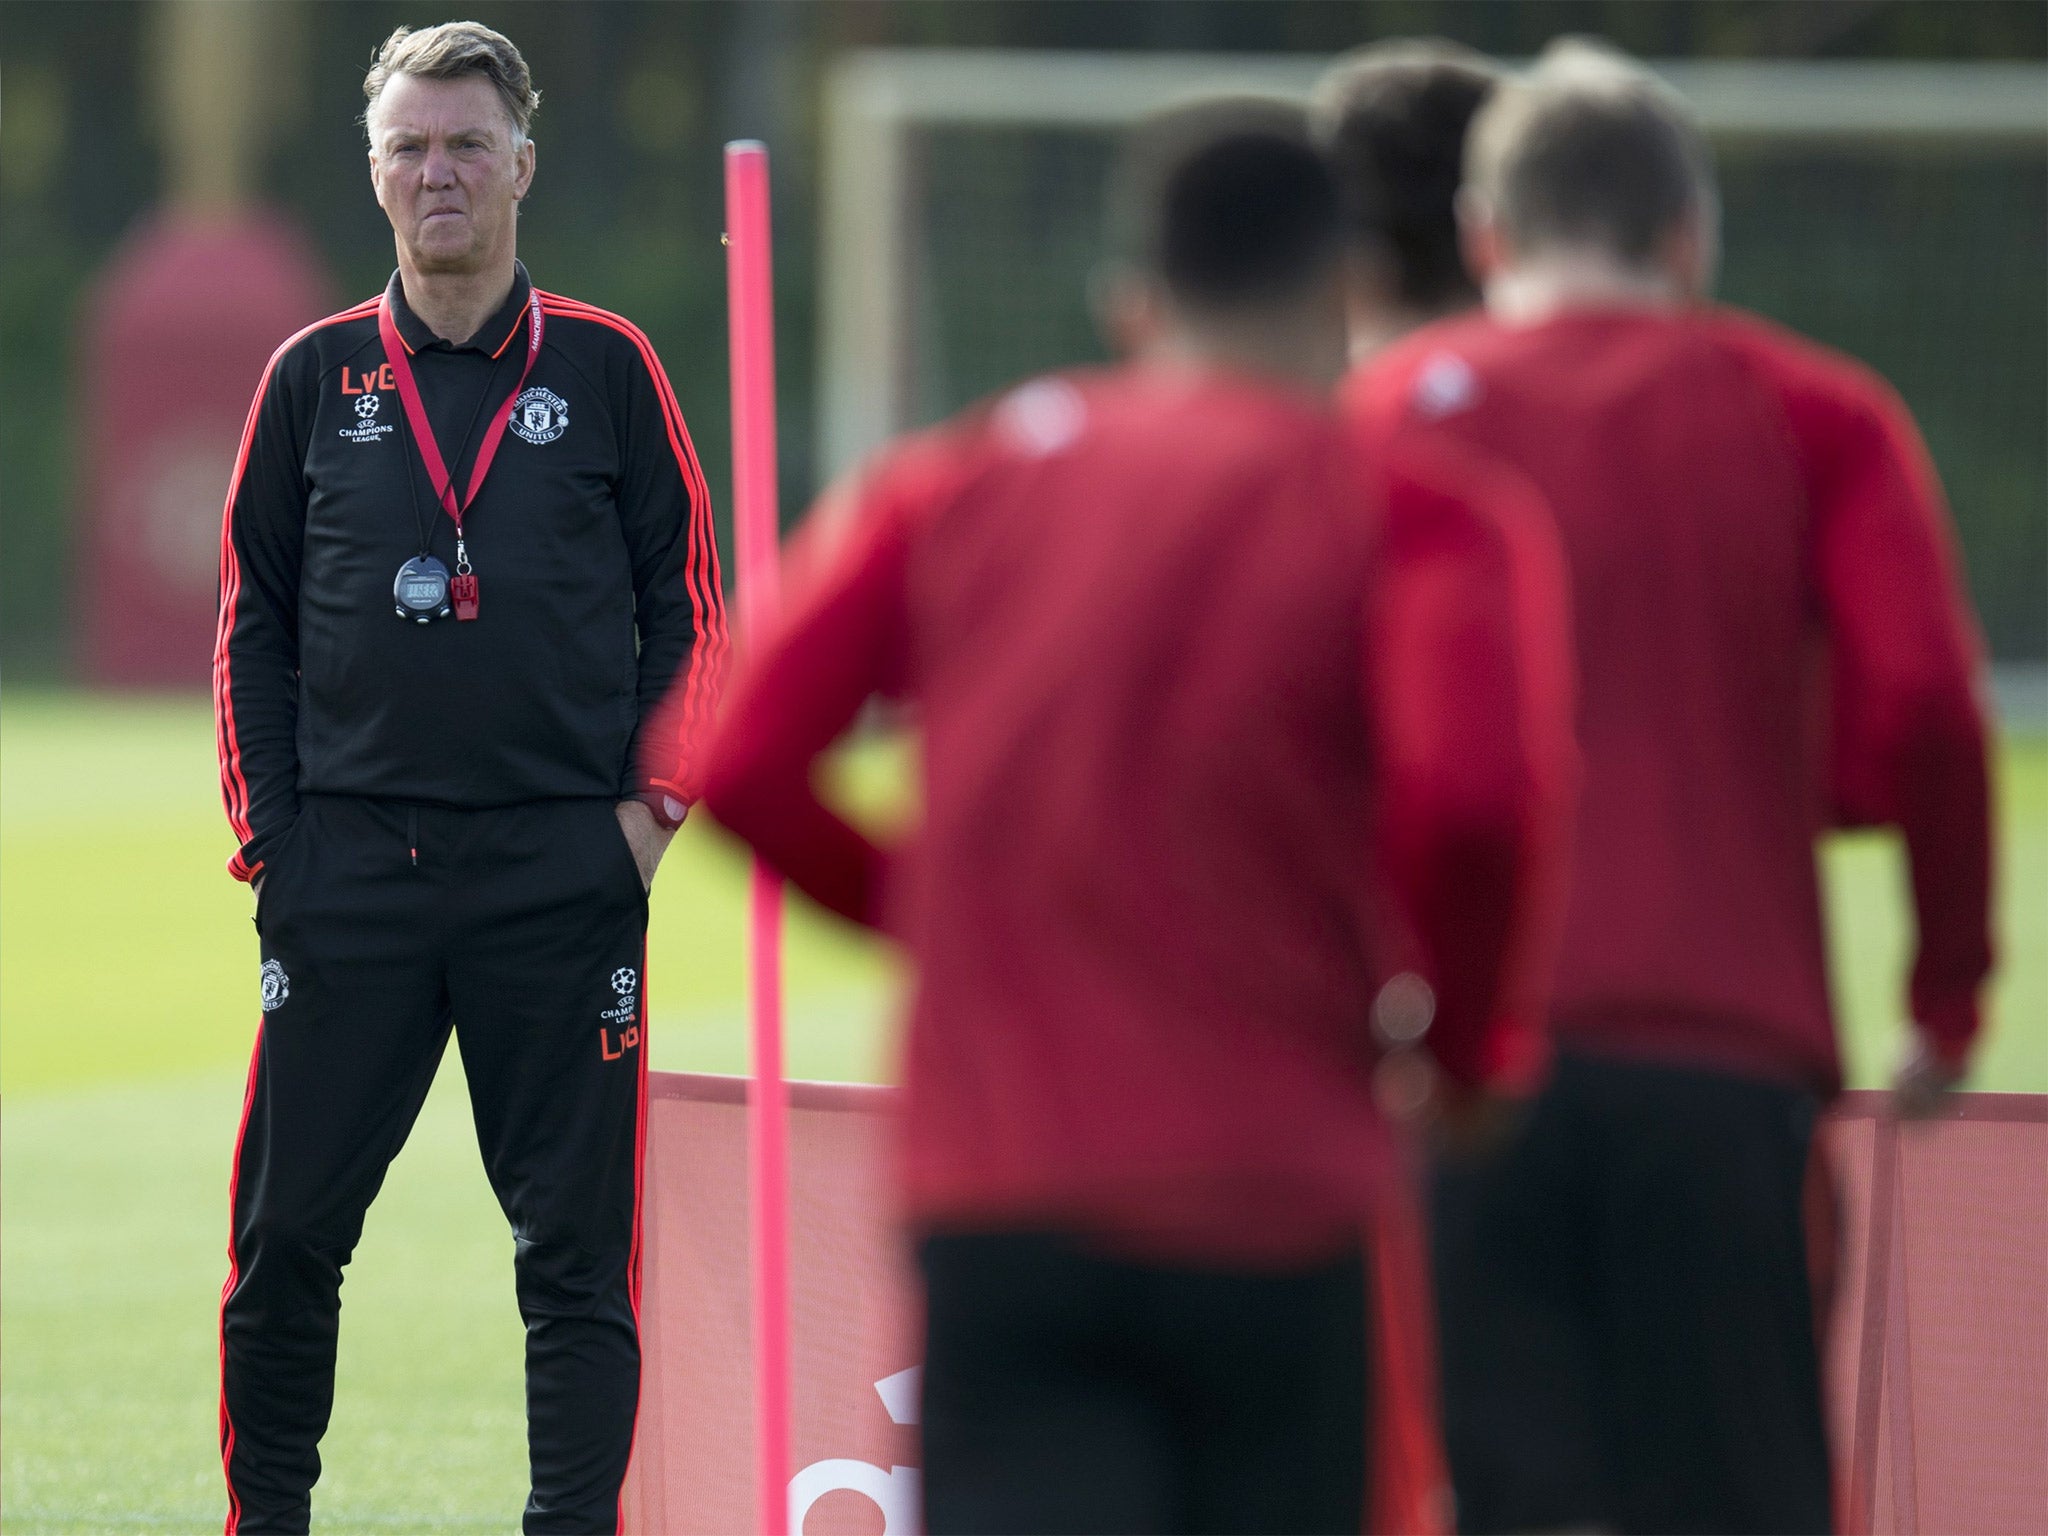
(540, 415)
(367, 428)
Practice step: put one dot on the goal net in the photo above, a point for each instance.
(1899, 211)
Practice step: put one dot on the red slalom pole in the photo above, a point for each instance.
(750, 301)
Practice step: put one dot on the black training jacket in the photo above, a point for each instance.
(593, 666)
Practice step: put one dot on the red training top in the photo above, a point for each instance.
(1178, 651)
(1744, 514)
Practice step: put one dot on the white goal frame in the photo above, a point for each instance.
(874, 100)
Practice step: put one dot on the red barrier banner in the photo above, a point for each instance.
(1937, 1336)
(853, 1441)
(1937, 1351)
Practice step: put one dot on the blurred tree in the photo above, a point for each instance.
(178, 326)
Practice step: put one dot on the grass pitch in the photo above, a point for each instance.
(127, 1005)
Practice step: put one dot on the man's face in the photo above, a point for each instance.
(446, 172)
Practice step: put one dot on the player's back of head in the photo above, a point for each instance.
(1393, 118)
(1226, 205)
(1589, 152)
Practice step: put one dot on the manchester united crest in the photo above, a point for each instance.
(276, 985)
(540, 415)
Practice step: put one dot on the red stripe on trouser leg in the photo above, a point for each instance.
(227, 1424)
(639, 1205)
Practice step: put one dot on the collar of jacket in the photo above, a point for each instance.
(492, 338)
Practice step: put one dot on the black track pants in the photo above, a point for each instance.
(383, 926)
(1065, 1391)
(1627, 1320)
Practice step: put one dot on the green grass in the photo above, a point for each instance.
(1871, 930)
(127, 1003)
(129, 954)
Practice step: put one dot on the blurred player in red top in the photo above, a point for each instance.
(1391, 118)
(1756, 541)
(1206, 697)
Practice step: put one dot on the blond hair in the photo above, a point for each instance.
(1589, 149)
(450, 51)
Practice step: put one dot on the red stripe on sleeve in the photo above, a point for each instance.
(234, 787)
(693, 719)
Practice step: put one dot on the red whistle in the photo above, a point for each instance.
(463, 590)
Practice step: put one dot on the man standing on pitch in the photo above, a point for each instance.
(470, 623)
(1756, 541)
(1203, 695)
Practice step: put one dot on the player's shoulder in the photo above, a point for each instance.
(1473, 339)
(1403, 410)
(1397, 401)
(1442, 483)
(1457, 468)
(895, 490)
(1805, 373)
(1042, 417)
(1432, 373)
(918, 470)
(1471, 334)
(1052, 414)
(923, 462)
(308, 353)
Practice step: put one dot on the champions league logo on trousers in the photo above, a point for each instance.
(625, 1014)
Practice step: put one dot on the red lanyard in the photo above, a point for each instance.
(438, 472)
